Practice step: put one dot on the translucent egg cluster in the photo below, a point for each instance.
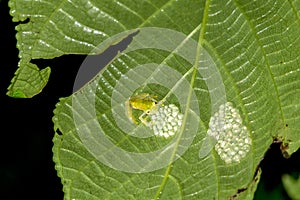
(166, 120)
(233, 138)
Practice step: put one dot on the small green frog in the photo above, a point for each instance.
(144, 102)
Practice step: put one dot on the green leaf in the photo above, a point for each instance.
(60, 27)
(255, 47)
(28, 81)
(292, 186)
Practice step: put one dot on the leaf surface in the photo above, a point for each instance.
(255, 47)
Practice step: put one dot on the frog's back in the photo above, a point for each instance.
(142, 104)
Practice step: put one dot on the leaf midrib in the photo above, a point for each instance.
(197, 59)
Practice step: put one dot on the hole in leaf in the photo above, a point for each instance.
(58, 132)
(92, 65)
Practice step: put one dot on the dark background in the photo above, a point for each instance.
(26, 166)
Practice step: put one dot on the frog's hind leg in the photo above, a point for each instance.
(128, 112)
(149, 97)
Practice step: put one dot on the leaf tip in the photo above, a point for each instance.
(17, 94)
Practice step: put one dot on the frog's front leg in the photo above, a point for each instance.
(143, 119)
